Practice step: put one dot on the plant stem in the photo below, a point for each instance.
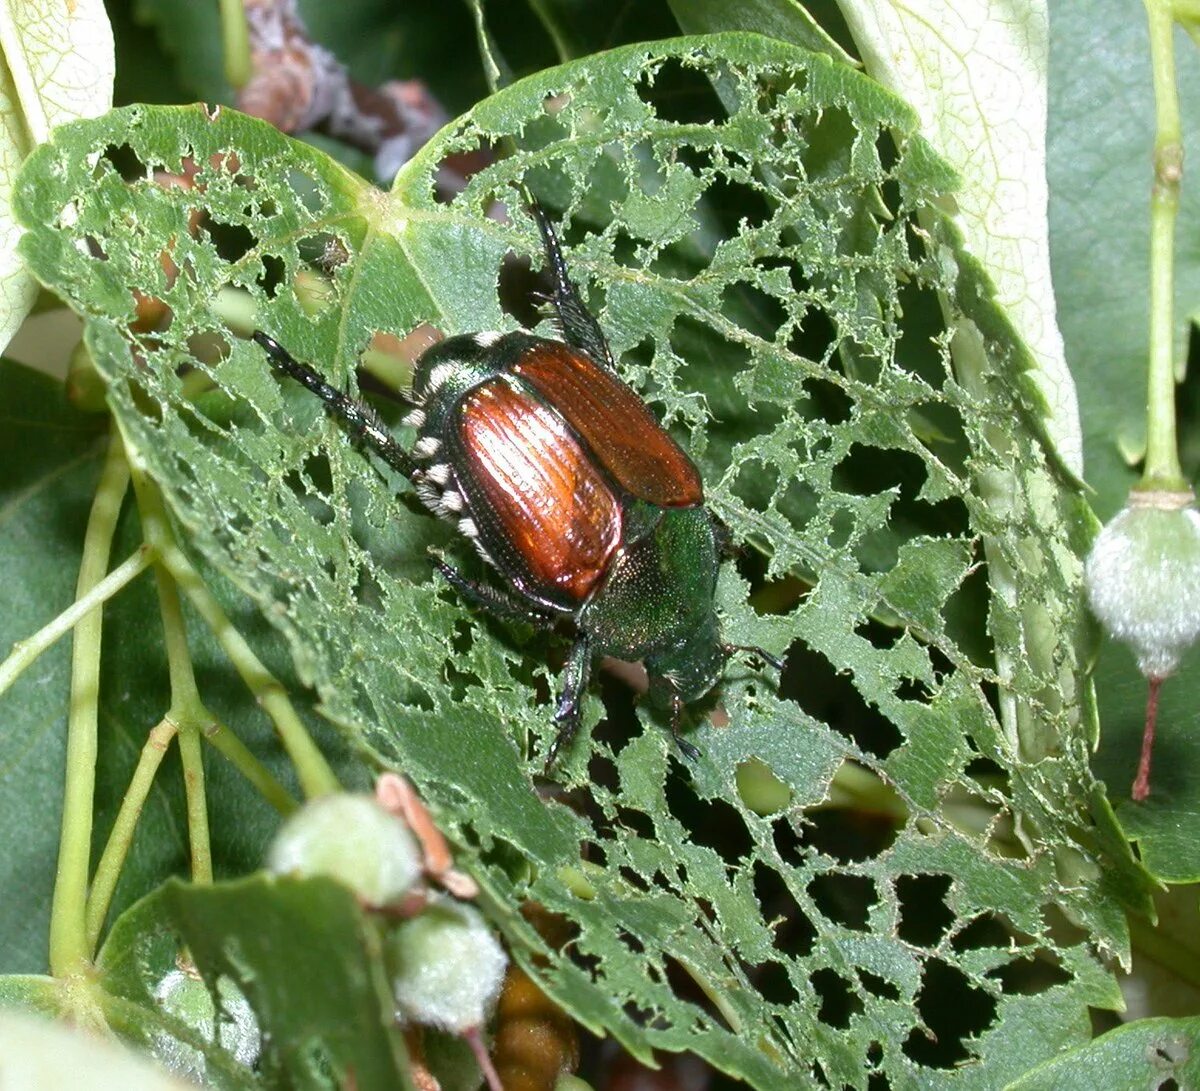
(197, 804)
(187, 711)
(235, 39)
(69, 948)
(1141, 784)
(1162, 469)
(316, 777)
(104, 883)
(25, 652)
(230, 747)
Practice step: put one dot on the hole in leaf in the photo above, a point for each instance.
(1034, 973)
(913, 689)
(844, 899)
(773, 983)
(680, 93)
(986, 930)
(125, 162)
(753, 309)
(232, 241)
(711, 822)
(683, 984)
(273, 272)
(829, 696)
(924, 914)
(631, 941)
(952, 1010)
(735, 201)
(878, 986)
(850, 836)
(518, 289)
(839, 1002)
(962, 610)
(635, 822)
(793, 933)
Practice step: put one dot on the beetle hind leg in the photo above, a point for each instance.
(580, 329)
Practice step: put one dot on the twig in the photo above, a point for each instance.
(299, 85)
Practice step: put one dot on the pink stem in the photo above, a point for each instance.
(474, 1039)
(1141, 785)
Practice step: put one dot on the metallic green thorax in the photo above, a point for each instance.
(657, 604)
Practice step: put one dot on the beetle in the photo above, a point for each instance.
(570, 488)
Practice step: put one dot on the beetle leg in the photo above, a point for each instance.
(687, 749)
(491, 599)
(575, 680)
(762, 653)
(360, 419)
(579, 328)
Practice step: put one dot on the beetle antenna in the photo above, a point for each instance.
(762, 653)
(361, 420)
(580, 329)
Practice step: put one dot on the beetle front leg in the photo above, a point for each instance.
(359, 418)
(569, 711)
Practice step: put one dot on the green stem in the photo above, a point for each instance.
(25, 652)
(235, 38)
(112, 860)
(1162, 470)
(197, 805)
(316, 777)
(69, 948)
(230, 747)
(187, 711)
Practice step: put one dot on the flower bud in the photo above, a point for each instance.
(447, 967)
(350, 838)
(1143, 578)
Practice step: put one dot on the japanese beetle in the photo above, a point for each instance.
(569, 487)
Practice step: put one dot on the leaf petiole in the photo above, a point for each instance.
(69, 948)
(25, 652)
(315, 775)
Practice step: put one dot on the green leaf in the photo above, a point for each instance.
(1148, 1053)
(302, 952)
(1101, 127)
(766, 944)
(978, 83)
(58, 66)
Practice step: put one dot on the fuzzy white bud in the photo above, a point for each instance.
(350, 838)
(1143, 579)
(447, 967)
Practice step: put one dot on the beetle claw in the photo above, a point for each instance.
(565, 734)
(772, 660)
(687, 749)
